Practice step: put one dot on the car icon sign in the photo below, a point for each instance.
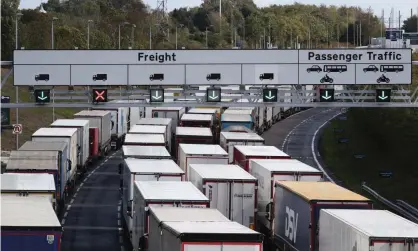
(315, 68)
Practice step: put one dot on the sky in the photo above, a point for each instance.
(404, 6)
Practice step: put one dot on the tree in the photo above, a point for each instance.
(8, 21)
(410, 24)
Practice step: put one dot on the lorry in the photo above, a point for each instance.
(134, 113)
(268, 171)
(161, 122)
(234, 120)
(171, 229)
(229, 188)
(67, 135)
(229, 139)
(197, 120)
(102, 121)
(174, 113)
(145, 152)
(30, 184)
(163, 194)
(296, 210)
(82, 138)
(144, 170)
(29, 223)
(144, 140)
(153, 130)
(192, 135)
(243, 154)
(257, 114)
(58, 163)
(200, 154)
(365, 230)
(119, 119)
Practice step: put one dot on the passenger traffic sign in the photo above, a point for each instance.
(213, 94)
(17, 128)
(326, 95)
(99, 95)
(42, 96)
(156, 95)
(269, 95)
(383, 95)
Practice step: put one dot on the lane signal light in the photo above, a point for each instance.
(99, 95)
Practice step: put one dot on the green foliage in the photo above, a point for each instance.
(242, 24)
(410, 24)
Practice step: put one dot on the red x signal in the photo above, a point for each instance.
(99, 95)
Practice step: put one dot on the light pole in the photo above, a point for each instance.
(206, 34)
(133, 35)
(179, 26)
(122, 24)
(88, 34)
(52, 31)
(18, 15)
(150, 36)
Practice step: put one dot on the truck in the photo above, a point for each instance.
(306, 199)
(364, 230)
(257, 114)
(102, 121)
(30, 184)
(82, 138)
(268, 171)
(68, 135)
(174, 113)
(243, 154)
(153, 130)
(119, 119)
(229, 139)
(29, 223)
(236, 120)
(229, 188)
(58, 163)
(160, 193)
(170, 230)
(144, 170)
(161, 122)
(200, 154)
(197, 120)
(134, 113)
(144, 140)
(192, 135)
(145, 152)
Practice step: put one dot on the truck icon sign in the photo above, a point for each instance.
(213, 76)
(156, 76)
(265, 76)
(42, 77)
(102, 77)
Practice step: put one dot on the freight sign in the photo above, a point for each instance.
(99, 95)
(383, 95)
(212, 67)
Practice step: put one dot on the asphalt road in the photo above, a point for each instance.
(91, 219)
(294, 134)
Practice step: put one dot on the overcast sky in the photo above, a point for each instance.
(404, 6)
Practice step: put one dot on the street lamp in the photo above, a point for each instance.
(179, 26)
(52, 31)
(122, 24)
(132, 35)
(18, 15)
(206, 31)
(88, 33)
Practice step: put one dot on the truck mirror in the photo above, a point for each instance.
(70, 163)
(268, 211)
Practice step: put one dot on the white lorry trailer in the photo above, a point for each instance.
(144, 140)
(229, 139)
(161, 122)
(135, 113)
(119, 125)
(268, 171)
(144, 170)
(200, 154)
(365, 230)
(101, 120)
(174, 113)
(29, 184)
(82, 138)
(192, 135)
(152, 129)
(163, 194)
(197, 120)
(145, 152)
(229, 188)
(68, 135)
(196, 229)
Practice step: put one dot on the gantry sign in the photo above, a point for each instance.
(212, 67)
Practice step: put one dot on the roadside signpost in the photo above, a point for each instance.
(17, 128)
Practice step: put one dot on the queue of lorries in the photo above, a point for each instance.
(191, 179)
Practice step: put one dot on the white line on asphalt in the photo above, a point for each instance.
(68, 207)
(82, 184)
(119, 223)
(72, 201)
(63, 221)
(75, 195)
(78, 189)
(65, 215)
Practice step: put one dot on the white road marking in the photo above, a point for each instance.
(65, 215)
(63, 221)
(118, 208)
(75, 195)
(72, 201)
(78, 189)
(119, 223)
(120, 239)
(68, 207)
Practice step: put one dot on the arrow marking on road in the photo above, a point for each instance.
(213, 95)
(382, 96)
(326, 97)
(42, 97)
(156, 96)
(269, 96)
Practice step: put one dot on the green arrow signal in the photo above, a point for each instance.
(42, 97)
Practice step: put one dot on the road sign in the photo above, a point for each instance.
(156, 95)
(17, 128)
(269, 95)
(213, 94)
(5, 112)
(42, 96)
(326, 95)
(99, 95)
(212, 67)
(383, 95)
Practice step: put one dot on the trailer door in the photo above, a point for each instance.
(233, 246)
(219, 195)
(242, 203)
(210, 246)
